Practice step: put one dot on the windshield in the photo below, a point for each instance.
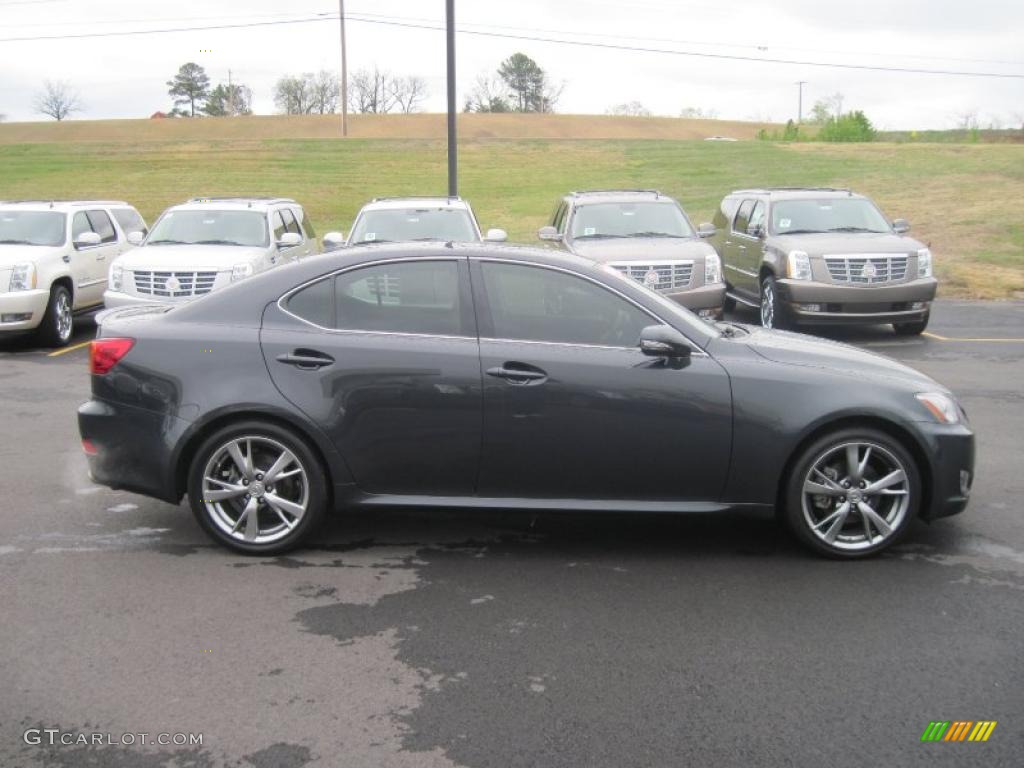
(32, 228)
(846, 214)
(248, 228)
(646, 219)
(405, 224)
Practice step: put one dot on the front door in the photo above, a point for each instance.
(573, 409)
(89, 265)
(385, 359)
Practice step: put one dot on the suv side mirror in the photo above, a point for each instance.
(706, 230)
(136, 238)
(334, 240)
(496, 236)
(900, 226)
(289, 240)
(664, 341)
(755, 230)
(87, 240)
(549, 233)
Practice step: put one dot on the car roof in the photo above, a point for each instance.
(798, 193)
(61, 205)
(426, 201)
(234, 203)
(586, 196)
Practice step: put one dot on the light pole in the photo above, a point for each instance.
(800, 102)
(344, 72)
(453, 159)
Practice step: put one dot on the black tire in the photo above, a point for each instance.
(804, 512)
(772, 313)
(265, 441)
(58, 325)
(912, 329)
(729, 303)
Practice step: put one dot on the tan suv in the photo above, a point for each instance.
(822, 256)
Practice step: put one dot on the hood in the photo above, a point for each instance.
(641, 249)
(22, 254)
(838, 243)
(186, 257)
(835, 357)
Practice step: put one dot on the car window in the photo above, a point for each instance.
(103, 226)
(32, 228)
(405, 224)
(757, 215)
(559, 220)
(305, 223)
(742, 217)
(290, 224)
(210, 227)
(844, 214)
(314, 303)
(647, 218)
(531, 303)
(79, 225)
(130, 220)
(277, 222)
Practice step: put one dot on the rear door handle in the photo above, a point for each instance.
(306, 359)
(518, 373)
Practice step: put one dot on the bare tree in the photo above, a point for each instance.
(489, 94)
(967, 120)
(696, 113)
(408, 92)
(293, 95)
(629, 109)
(370, 91)
(58, 99)
(326, 91)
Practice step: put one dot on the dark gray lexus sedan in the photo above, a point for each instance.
(492, 376)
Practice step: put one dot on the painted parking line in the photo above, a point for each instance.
(937, 337)
(72, 348)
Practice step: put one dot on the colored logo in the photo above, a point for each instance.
(958, 730)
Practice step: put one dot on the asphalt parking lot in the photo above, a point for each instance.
(441, 639)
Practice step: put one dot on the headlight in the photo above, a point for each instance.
(799, 265)
(924, 263)
(23, 277)
(942, 407)
(712, 269)
(116, 276)
(241, 271)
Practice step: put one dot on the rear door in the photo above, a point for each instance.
(384, 357)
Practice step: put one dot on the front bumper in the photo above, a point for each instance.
(950, 449)
(845, 304)
(707, 297)
(116, 299)
(32, 303)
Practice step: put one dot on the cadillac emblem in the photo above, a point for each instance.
(651, 278)
(173, 284)
(868, 270)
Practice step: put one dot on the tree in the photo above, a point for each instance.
(853, 126)
(370, 91)
(829, 108)
(528, 85)
(629, 109)
(190, 86)
(325, 89)
(696, 113)
(408, 93)
(229, 101)
(58, 100)
(293, 95)
(488, 95)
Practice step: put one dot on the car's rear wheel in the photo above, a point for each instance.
(912, 329)
(58, 321)
(771, 311)
(852, 493)
(257, 488)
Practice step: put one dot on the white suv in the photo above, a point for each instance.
(206, 244)
(404, 219)
(54, 257)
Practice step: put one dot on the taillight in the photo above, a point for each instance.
(104, 354)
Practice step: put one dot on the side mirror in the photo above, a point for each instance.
(334, 240)
(136, 238)
(664, 341)
(755, 230)
(87, 240)
(900, 226)
(549, 233)
(496, 236)
(289, 240)
(706, 230)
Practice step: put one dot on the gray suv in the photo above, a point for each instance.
(822, 256)
(644, 235)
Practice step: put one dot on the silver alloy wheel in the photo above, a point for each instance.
(767, 305)
(63, 316)
(255, 490)
(855, 496)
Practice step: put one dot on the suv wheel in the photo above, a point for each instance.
(771, 312)
(852, 493)
(912, 329)
(256, 488)
(58, 320)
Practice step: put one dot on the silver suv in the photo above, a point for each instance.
(405, 219)
(53, 261)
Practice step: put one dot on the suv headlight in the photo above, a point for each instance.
(23, 277)
(712, 269)
(799, 265)
(241, 271)
(116, 277)
(942, 407)
(924, 263)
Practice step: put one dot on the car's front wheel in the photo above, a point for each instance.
(58, 321)
(257, 488)
(852, 493)
(771, 312)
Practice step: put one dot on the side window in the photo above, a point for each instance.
(290, 224)
(79, 225)
(102, 225)
(530, 303)
(305, 223)
(130, 220)
(314, 303)
(559, 221)
(402, 297)
(278, 224)
(757, 216)
(739, 224)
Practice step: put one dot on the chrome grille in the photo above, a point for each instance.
(670, 274)
(867, 269)
(153, 283)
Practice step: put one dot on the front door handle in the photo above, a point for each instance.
(518, 373)
(306, 359)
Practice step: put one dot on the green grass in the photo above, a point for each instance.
(962, 199)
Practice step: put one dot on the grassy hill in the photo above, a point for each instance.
(963, 199)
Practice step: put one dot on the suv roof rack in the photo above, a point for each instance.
(236, 199)
(450, 198)
(582, 192)
(769, 190)
(53, 201)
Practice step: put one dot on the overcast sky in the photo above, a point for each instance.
(124, 76)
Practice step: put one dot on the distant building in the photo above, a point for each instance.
(158, 116)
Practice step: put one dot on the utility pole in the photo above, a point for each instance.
(453, 159)
(344, 72)
(800, 102)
